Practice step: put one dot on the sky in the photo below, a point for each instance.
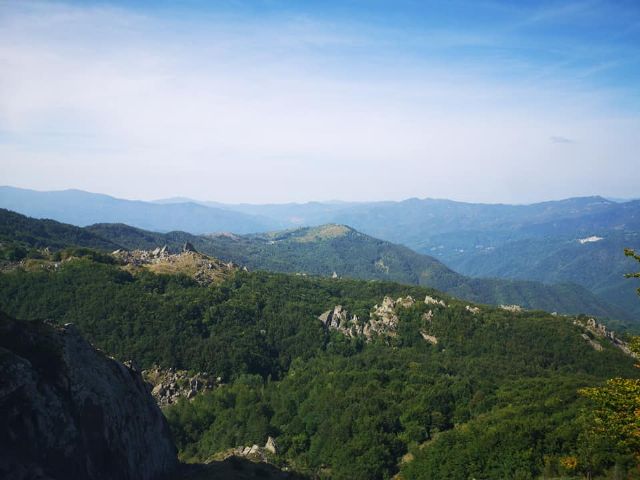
(279, 101)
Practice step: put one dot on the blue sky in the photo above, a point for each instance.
(278, 101)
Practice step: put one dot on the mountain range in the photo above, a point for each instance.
(337, 378)
(328, 250)
(577, 240)
(83, 208)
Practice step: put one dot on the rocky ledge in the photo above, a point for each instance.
(69, 411)
(598, 331)
(383, 319)
(203, 268)
(170, 385)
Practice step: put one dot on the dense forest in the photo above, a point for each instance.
(495, 397)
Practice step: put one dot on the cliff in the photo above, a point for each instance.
(69, 411)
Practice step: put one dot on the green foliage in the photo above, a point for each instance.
(631, 253)
(495, 398)
(252, 323)
(597, 266)
(315, 251)
(333, 248)
(614, 413)
(530, 419)
(18, 230)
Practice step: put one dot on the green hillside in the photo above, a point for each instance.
(336, 248)
(18, 231)
(321, 251)
(492, 394)
(563, 260)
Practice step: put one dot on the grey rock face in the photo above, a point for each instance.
(68, 411)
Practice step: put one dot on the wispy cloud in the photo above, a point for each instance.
(563, 140)
(275, 108)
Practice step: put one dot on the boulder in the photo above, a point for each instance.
(271, 446)
(429, 300)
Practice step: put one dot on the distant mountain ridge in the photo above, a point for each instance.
(83, 208)
(537, 242)
(325, 250)
(339, 249)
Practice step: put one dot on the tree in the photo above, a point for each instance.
(616, 412)
(631, 253)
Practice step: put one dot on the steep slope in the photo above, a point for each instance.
(346, 252)
(68, 411)
(563, 260)
(31, 233)
(83, 208)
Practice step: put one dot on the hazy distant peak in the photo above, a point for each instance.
(328, 231)
(311, 234)
(163, 201)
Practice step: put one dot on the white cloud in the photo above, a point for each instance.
(290, 109)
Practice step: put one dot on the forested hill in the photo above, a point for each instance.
(338, 249)
(315, 251)
(575, 240)
(23, 232)
(431, 387)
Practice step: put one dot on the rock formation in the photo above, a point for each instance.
(202, 268)
(68, 411)
(592, 343)
(601, 331)
(429, 338)
(188, 247)
(511, 308)
(253, 452)
(168, 386)
(383, 319)
(434, 301)
(339, 319)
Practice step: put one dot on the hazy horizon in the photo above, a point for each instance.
(277, 102)
(179, 199)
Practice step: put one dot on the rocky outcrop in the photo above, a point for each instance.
(253, 452)
(169, 386)
(592, 343)
(600, 330)
(382, 321)
(204, 269)
(68, 411)
(340, 320)
(511, 308)
(434, 301)
(188, 247)
(429, 338)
